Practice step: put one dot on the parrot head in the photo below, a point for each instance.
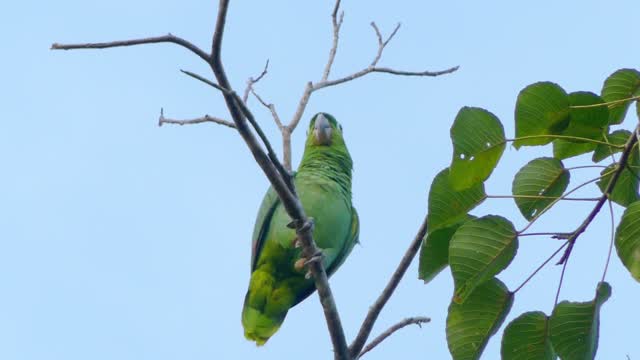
(324, 130)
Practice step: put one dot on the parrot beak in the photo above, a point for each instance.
(322, 130)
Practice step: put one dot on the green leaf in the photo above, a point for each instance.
(541, 109)
(628, 239)
(625, 190)
(589, 123)
(620, 85)
(586, 122)
(478, 143)
(434, 254)
(564, 149)
(538, 184)
(480, 249)
(618, 137)
(448, 206)
(527, 338)
(470, 325)
(575, 326)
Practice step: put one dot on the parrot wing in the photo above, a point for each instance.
(268, 206)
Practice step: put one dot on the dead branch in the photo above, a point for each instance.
(163, 120)
(419, 320)
(376, 308)
(169, 38)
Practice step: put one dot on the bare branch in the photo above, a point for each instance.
(163, 120)
(302, 105)
(612, 237)
(205, 80)
(337, 23)
(251, 81)
(291, 203)
(382, 43)
(633, 139)
(376, 308)
(169, 38)
(540, 267)
(286, 176)
(271, 107)
(419, 320)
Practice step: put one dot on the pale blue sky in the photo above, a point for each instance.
(122, 240)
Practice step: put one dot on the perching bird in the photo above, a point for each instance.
(323, 184)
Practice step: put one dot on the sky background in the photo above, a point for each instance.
(123, 240)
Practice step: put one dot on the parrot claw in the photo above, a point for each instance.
(308, 225)
(315, 258)
(299, 264)
(304, 262)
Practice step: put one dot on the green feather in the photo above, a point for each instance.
(323, 184)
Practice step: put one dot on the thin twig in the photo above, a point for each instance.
(372, 68)
(288, 179)
(609, 103)
(564, 268)
(337, 23)
(554, 235)
(540, 267)
(543, 211)
(606, 265)
(291, 203)
(376, 308)
(585, 167)
(163, 120)
(418, 320)
(271, 107)
(369, 70)
(252, 81)
(538, 197)
(169, 38)
(204, 80)
(605, 195)
(382, 43)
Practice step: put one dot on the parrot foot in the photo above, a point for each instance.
(315, 258)
(303, 262)
(308, 225)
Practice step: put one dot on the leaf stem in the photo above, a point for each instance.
(567, 137)
(538, 197)
(614, 102)
(540, 267)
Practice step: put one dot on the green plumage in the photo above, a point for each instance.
(323, 184)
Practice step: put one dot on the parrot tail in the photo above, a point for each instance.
(265, 307)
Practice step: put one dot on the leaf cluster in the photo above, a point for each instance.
(478, 247)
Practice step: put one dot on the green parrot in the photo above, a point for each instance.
(323, 184)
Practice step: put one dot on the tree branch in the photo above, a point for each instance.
(337, 23)
(325, 82)
(605, 195)
(163, 120)
(271, 108)
(376, 308)
(251, 81)
(291, 203)
(169, 38)
(419, 320)
(204, 80)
